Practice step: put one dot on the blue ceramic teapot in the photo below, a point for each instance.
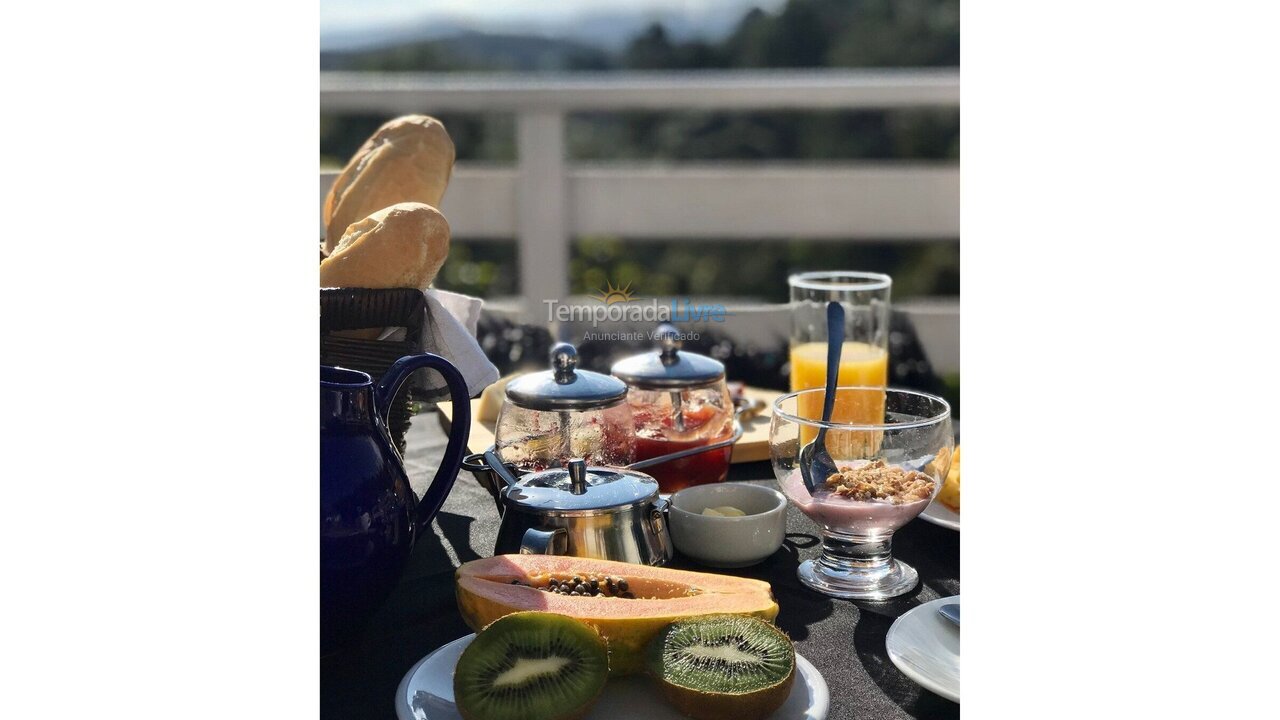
(369, 516)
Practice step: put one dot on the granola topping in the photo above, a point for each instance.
(878, 480)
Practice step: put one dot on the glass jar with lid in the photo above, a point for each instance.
(679, 402)
(552, 416)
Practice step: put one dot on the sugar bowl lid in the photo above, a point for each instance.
(579, 488)
(564, 386)
(668, 368)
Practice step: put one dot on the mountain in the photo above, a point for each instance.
(605, 29)
(473, 51)
(384, 36)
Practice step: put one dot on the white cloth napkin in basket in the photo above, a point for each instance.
(450, 332)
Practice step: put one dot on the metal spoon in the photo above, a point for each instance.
(500, 468)
(816, 464)
(677, 409)
(951, 611)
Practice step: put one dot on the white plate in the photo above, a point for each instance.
(426, 693)
(940, 514)
(926, 648)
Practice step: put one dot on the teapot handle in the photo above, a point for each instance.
(537, 541)
(459, 427)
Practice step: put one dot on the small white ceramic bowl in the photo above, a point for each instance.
(728, 542)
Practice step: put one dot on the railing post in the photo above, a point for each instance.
(543, 216)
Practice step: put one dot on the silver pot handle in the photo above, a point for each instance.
(541, 542)
(657, 521)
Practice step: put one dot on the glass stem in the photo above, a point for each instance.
(863, 554)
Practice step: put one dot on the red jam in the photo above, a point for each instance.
(700, 469)
(706, 467)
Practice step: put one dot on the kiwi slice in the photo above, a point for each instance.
(531, 666)
(723, 666)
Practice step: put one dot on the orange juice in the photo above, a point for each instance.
(860, 364)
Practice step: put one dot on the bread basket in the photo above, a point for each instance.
(344, 309)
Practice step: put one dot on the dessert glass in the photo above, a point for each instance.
(893, 469)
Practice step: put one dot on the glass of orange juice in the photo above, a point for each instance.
(864, 359)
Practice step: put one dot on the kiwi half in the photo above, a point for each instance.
(720, 667)
(531, 666)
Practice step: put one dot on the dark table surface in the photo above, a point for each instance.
(844, 639)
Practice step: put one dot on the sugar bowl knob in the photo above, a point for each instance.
(578, 477)
(669, 343)
(564, 360)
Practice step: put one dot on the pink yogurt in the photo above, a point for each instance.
(853, 517)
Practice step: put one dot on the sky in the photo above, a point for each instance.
(347, 15)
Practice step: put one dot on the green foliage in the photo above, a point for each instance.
(805, 34)
(667, 268)
(483, 138)
(820, 33)
(920, 134)
(678, 267)
(483, 268)
(952, 393)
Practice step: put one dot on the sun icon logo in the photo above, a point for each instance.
(614, 295)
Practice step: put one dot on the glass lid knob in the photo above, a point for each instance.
(564, 360)
(578, 476)
(669, 343)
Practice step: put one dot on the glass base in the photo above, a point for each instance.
(897, 579)
(857, 568)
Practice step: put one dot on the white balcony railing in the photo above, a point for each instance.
(543, 201)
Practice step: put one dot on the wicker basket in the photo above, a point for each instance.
(344, 309)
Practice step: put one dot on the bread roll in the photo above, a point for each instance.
(408, 159)
(402, 246)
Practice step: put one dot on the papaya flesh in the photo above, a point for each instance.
(493, 587)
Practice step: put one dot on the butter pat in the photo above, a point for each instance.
(724, 511)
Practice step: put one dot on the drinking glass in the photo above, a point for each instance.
(864, 359)
(911, 441)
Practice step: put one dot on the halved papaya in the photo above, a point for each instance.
(627, 614)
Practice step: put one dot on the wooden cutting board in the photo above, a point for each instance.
(753, 446)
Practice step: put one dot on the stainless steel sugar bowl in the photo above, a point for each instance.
(607, 513)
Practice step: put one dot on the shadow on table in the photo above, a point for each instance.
(925, 548)
(420, 615)
(801, 607)
(430, 556)
(868, 644)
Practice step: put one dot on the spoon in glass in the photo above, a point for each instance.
(816, 464)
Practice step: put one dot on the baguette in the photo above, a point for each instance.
(402, 246)
(408, 159)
